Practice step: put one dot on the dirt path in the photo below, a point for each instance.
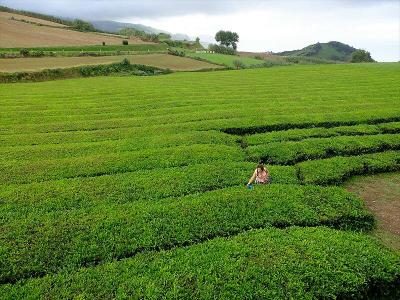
(381, 194)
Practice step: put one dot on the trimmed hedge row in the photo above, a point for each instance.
(320, 132)
(336, 170)
(38, 245)
(101, 164)
(326, 121)
(21, 201)
(83, 71)
(292, 263)
(317, 148)
(202, 119)
(52, 151)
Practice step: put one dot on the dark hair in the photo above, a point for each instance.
(261, 165)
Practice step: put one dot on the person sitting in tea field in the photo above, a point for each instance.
(260, 175)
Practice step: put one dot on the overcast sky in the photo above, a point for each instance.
(267, 25)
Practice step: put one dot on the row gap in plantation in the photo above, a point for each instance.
(242, 132)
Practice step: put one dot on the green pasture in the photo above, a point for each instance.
(134, 187)
(227, 60)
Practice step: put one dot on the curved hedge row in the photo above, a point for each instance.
(294, 263)
(21, 201)
(320, 132)
(337, 169)
(100, 164)
(38, 245)
(317, 148)
(65, 150)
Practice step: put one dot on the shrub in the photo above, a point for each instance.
(84, 71)
(24, 52)
(359, 56)
(125, 42)
(238, 64)
(39, 53)
(82, 237)
(176, 52)
(222, 49)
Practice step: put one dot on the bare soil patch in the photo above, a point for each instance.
(381, 194)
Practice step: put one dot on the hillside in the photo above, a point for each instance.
(113, 26)
(330, 51)
(25, 31)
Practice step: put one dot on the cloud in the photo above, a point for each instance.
(101, 9)
(119, 9)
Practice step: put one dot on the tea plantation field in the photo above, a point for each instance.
(134, 187)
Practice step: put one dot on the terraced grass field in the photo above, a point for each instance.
(163, 61)
(133, 187)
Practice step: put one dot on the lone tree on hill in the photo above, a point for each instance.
(227, 38)
(361, 56)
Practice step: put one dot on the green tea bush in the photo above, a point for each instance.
(336, 170)
(102, 164)
(115, 143)
(317, 148)
(293, 263)
(320, 132)
(62, 195)
(57, 241)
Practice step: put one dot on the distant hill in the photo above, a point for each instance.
(329, 51)
(115, 27)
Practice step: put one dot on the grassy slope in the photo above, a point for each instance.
(226, 60)
(163, 61)
(101, 145)
(15, 33)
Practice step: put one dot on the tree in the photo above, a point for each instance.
(227, 38)
(361, 56)
(81, 25)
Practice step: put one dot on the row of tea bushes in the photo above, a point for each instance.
(101, 164)
(115, 145)
(292, 263)
(337, 169)
(42, 244)
(22, 201)
(320, 132)
(317, 148)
